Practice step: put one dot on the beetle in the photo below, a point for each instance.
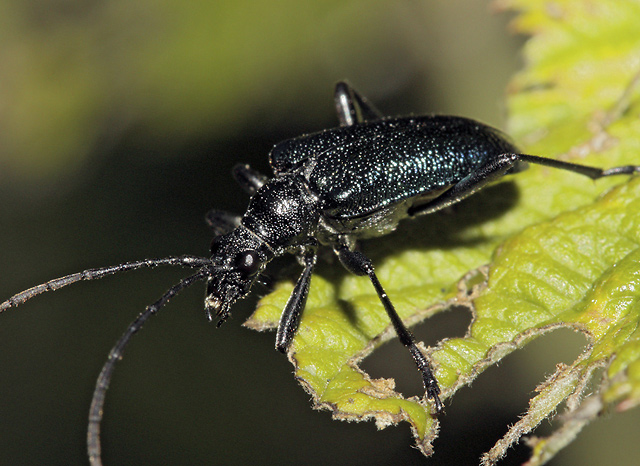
(333, 189)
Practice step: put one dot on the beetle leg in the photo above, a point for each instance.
(592, 172)
(359, 264)
(290, 318)
(222, 222)
(248, 179)
(352, 108)
(470, 184)
(506, 164)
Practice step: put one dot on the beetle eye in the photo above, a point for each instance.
(247, 262)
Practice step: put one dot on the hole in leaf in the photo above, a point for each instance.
(393, 360)
(481, 414)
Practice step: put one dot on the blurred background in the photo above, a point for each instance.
(119, 124)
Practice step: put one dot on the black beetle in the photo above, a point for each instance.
(331, 188)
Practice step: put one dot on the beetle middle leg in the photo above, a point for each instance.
(359, 264)
(351, 107)
(223, 222)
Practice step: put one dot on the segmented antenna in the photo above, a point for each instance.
(95, 414)
(94, 274)
(102, 384)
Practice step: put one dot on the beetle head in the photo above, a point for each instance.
(241, 257)
(280, 218)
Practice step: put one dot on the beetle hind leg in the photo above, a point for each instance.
(594, 173)
(506, 164)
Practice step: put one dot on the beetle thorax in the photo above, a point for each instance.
(283, 213)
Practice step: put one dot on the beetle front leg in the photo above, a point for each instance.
(222, 222)
(359, 264)
(352, 108)
(248, 179)
(290, 319)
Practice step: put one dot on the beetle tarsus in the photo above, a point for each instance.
(430, 383)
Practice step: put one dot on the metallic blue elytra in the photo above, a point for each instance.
(330, 188)
(359, 169)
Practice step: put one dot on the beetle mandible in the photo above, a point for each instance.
(332, 188)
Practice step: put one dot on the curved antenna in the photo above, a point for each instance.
(93, 274)
(102, 384)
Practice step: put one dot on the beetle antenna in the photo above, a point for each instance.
(93, 274)
(102, 384)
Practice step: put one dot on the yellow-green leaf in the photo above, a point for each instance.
(576, 265)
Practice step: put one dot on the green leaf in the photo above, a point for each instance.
(581, 271)
(577, 265)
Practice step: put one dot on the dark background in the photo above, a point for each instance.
(119, 125)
